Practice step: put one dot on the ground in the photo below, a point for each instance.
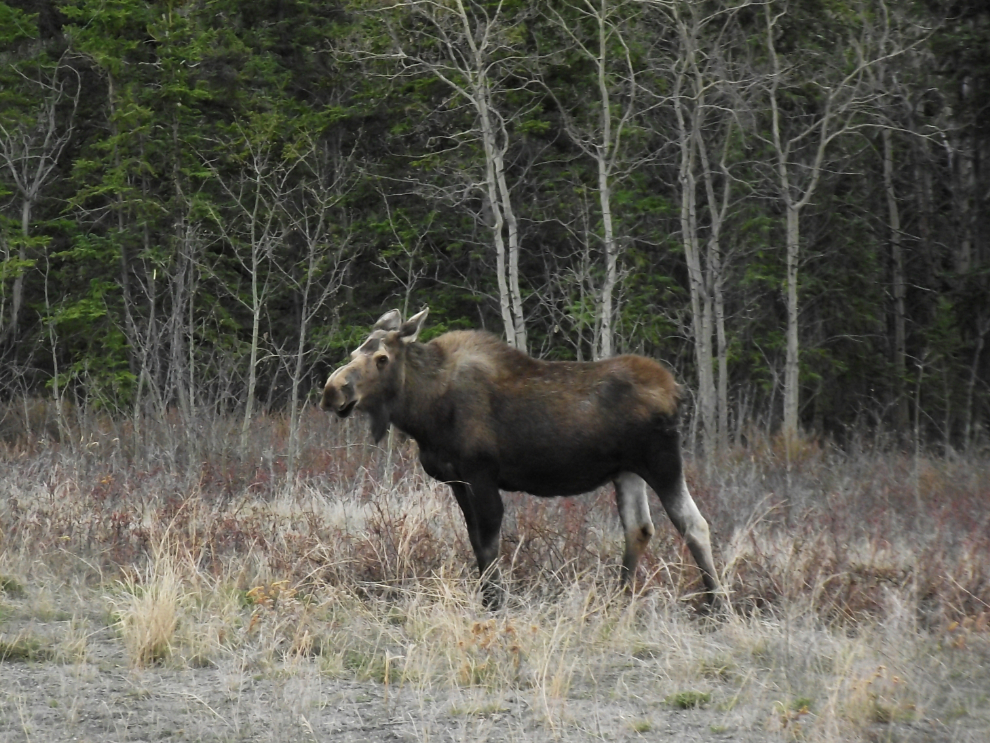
(76, 682)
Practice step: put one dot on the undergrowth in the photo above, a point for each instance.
(859, 580)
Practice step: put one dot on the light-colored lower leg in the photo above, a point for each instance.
(634, 511)
(684, 512)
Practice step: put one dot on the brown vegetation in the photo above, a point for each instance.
(860, 584)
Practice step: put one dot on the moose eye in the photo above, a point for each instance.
(381, 361)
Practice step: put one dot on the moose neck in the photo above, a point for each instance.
(419, 386)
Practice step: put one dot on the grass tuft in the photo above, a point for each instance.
(641, 726)
(147, 609)
(24, 650)
(12, 587)
(688, 699)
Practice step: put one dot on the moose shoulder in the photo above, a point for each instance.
(488, 418)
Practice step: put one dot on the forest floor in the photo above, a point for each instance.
(146, 598)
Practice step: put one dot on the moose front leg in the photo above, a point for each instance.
(481, 504)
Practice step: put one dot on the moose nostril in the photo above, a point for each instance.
(326, 401)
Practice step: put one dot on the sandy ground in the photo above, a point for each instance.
(101, 698)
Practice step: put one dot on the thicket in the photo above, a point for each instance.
(833, 531)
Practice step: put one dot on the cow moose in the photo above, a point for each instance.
(488, 417)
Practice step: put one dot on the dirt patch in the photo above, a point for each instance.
(98, 696)
(103, 700)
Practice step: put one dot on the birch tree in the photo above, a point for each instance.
(896, 115)
(704, 96)
(599, 134)
(470, 47)
(836, 94)
(317, 223)
(254, 225)
(34, 132)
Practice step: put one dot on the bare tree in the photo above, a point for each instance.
(615, 105)
(899, 283)
(317, 222)
(254, 227)
(895, 114)
(799, 144)
(469, 47)
(705, 95)
(31, 144)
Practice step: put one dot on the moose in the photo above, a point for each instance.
(488, 417)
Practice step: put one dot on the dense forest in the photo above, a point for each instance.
(203, 205)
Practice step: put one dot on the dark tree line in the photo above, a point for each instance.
(204, 204)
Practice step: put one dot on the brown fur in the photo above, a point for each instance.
(488, 417)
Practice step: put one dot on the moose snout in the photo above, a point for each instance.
(338, 396)
(326, 401)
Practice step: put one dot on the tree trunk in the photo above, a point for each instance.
(701, 311)
(504, 300)
(496, 187)
(177, 364)
(252, 385)
(611, 263)
(297, 375)
(963, 197)
(493, 163)
(603, 154)
(901, 421)
(17, 293)
(723, 361)
(714, 280)
(982, 328)
(791, 363)
(515, 294)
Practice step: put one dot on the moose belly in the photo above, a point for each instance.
(548, 472)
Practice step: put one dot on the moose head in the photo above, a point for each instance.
(370, 381)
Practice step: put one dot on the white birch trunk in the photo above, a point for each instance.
(792, 359)
(496, 186)
(253, 354)
(701, 312)
(603, 156)
(498, 223)
(611, 265)
(688, 125)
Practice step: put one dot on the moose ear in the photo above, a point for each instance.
(411, 327)
(391, 320)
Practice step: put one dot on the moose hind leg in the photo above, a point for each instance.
(687, 519)
(634, 512)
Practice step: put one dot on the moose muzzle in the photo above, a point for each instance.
(339, 395)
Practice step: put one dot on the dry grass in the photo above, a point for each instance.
(147, 610)
(860, 584)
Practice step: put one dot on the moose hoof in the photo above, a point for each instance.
(492, 596)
